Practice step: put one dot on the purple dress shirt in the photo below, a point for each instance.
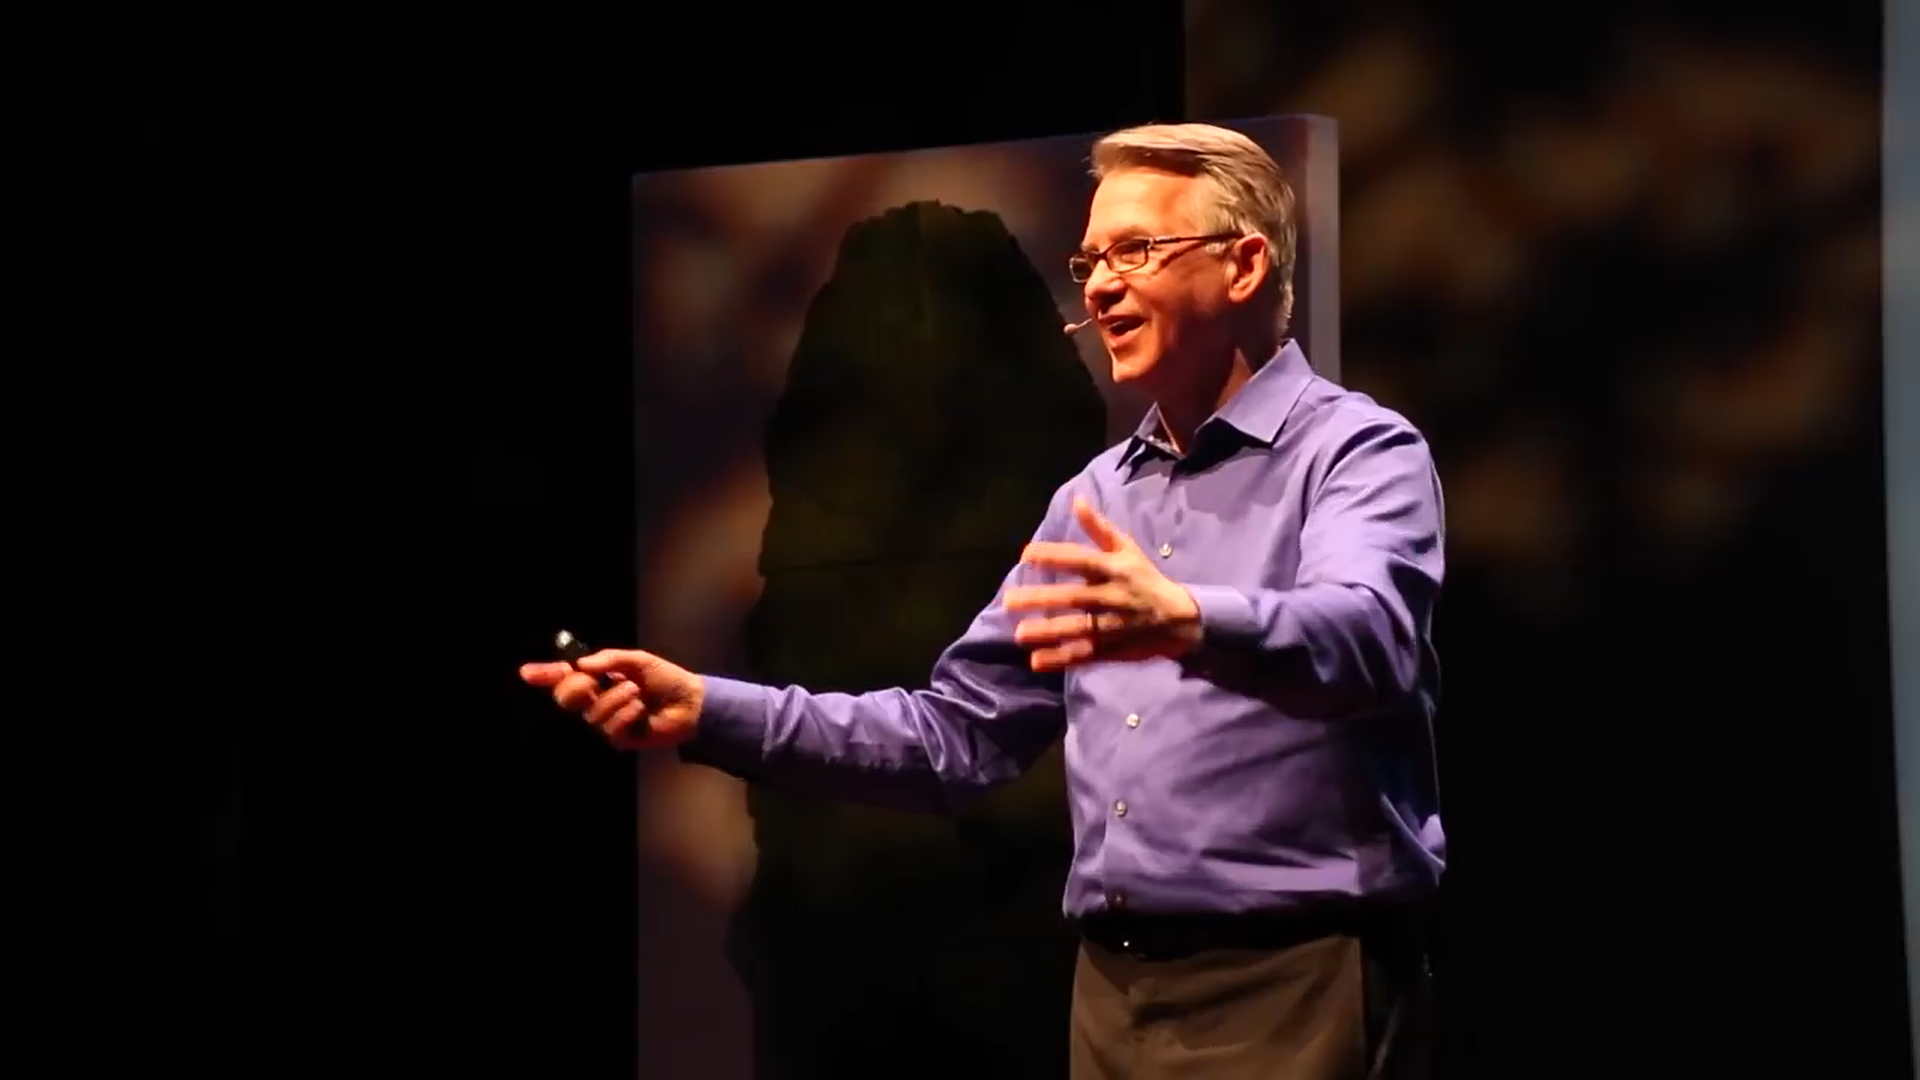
(1287, 763)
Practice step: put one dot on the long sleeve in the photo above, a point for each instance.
(1350, 635)
(983, 719)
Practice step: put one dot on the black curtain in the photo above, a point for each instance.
(331, 397)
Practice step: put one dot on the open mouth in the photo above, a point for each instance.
(1120, 327)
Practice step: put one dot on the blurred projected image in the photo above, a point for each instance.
(854, 401)
(1485, 216)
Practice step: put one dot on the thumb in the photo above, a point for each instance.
(630, 663)
(1102, 531)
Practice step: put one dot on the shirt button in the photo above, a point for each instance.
(1166, 550)
(1120, 808)
(1117, 899)
(1133, 719)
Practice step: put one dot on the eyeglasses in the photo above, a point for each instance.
(1130, 254)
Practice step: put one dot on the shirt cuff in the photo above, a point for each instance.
(731, 734)
(1226, 615)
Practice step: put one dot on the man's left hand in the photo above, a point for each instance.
(1124, 609)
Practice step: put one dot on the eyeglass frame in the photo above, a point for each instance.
(1147, 244)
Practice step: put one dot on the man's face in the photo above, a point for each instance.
(1174, 306)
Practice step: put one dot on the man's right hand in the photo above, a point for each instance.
(651, 704)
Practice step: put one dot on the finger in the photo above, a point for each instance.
(1080, 596)
(1050, 597)
(546, 673)
(1052, 631)
(1059, 628)
(1074, 558)
(638, 735)
(628, 720)
(1105, 535)
(631, 663)
(612, 701)
(1064, 655)
(575, 692)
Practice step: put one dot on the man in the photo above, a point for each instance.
(1229, 613)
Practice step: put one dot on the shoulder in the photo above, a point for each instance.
(1097, 477)
(1342, 440)
(1106, 464)
(1095, 482)
(1334, 423)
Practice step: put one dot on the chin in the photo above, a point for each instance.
(1131, 366)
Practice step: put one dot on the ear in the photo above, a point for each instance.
(1248, 263)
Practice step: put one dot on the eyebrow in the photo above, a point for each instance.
(1130, 233)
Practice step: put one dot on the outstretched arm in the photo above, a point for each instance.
(983, 719)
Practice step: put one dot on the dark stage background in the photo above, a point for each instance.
(333, 330)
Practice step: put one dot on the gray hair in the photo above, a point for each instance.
(1250, 192)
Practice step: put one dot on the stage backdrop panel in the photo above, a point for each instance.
(853, 401)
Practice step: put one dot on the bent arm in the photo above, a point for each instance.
(1350, 636)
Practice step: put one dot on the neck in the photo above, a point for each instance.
(1184, 408)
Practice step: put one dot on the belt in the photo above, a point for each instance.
(1168, 937)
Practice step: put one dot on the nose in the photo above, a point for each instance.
(1102, 288)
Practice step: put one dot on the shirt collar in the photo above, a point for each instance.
(1257, 410)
